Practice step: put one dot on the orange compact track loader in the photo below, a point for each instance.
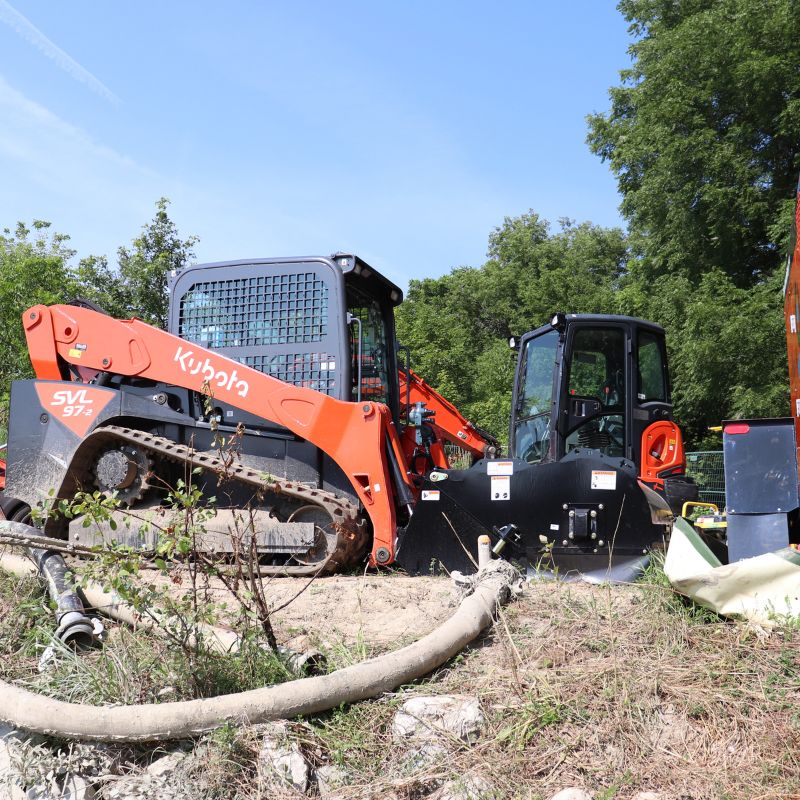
(293, 364)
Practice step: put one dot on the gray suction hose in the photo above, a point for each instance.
(40, 714)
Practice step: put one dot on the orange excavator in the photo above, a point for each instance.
(432, 422)
(293, 364)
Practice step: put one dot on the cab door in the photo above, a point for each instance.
(534, 404)
(595, 408)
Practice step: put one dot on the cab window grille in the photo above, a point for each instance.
(256, 311)
(312, 370)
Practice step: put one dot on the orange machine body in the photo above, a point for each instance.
(355, 435)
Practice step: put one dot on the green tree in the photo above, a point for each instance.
(99, 284)
(33, 270)
(36, 267)
(702, 137)
(145, 267)
(702, 134)
(727, 355)
(458, 326)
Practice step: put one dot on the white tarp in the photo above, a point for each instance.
(758, 589)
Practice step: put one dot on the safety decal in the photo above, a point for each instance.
(75, 406)
(797, 408)
(604, 479)
(501, 487)
(554, 526)
(430, 494)
(75, 353)
(793, 323)
(499, 467)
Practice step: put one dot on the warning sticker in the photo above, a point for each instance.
(793, 323)
(554, 526)
(501, 487)
(604, 479)
(430, 494)
(499, 467)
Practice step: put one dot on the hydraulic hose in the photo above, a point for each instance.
(73, 627)
(44, 715)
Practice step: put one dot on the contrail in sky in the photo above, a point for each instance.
(27, 30)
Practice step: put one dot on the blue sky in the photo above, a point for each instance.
(404, 132)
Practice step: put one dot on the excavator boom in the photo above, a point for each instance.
(445, 420)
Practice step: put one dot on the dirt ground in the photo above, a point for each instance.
(616, 690)
(377, 610)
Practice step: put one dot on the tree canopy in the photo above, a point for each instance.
(703, 134)
(458, 326)
(36, 266)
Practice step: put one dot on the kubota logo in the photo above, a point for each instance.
(194, 366)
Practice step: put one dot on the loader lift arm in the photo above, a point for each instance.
(70, 342)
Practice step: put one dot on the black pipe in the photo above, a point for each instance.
(74, 627)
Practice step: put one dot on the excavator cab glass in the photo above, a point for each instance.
(532, 418)
(589, 381)
(596, 391)
(652, 370)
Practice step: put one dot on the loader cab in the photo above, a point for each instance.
(595, 382)
(325, 323)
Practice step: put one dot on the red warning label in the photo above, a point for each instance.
(78, 407)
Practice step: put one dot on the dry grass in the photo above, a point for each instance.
(616, 690)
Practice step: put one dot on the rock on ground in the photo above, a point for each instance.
(10, 785)
(143, 787)
(166, 765)
(467, 787)
(330, 779)
(281, 760)
(572, 794)
(427, 717)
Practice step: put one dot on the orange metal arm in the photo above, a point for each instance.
(449, 423)
(352, 434)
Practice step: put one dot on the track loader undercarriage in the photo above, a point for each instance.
(303, 530)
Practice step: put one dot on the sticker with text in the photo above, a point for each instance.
(499, 467)
(430, 494)
(501, 487)
(604, 479)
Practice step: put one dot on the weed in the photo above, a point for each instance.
(528, 719)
